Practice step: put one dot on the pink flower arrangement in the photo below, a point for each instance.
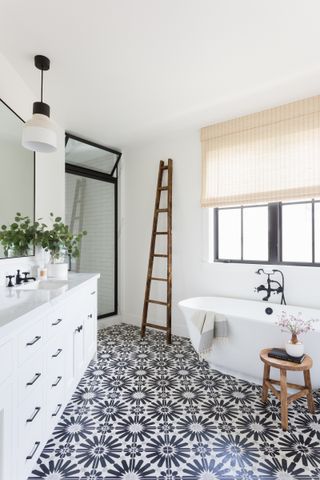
(295, 325)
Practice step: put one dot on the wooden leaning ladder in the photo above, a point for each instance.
(77, 213)
(168, 256)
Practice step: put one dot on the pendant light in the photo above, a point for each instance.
(39, 133)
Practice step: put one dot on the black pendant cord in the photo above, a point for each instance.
(41, 86)
(42, 63)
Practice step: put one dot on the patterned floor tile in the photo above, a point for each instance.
(150, 411)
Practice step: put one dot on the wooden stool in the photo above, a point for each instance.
(282, 395)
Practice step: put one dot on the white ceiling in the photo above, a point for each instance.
(124, 71)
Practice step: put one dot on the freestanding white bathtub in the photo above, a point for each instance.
(250, 329)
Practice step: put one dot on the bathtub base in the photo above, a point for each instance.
(238, 375)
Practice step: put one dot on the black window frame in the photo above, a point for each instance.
(274, 234)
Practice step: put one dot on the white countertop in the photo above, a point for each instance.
(15, 302)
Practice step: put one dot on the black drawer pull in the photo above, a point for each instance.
(55, 355)
(57, 410)
(35, 413)
(57, 381)
(33, 451)
(93, 293)
(90, 315)
(78, 329)
(59, 320)
(35, 340)
(35, 378)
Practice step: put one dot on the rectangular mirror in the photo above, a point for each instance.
(17, 178)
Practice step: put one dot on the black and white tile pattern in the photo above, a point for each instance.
(150, 411)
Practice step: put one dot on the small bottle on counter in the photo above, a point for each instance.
(42, 273)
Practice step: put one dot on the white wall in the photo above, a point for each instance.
(192, 274)
(49, 167)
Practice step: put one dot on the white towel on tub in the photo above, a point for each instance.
(203, 328)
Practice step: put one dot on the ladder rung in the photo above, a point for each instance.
(162, 210)
(161, 233)
(165, 167)
(160, 255)
(163, 188)
(159, 279)
(157, 302)
(159, 327)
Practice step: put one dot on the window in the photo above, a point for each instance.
(274, 233)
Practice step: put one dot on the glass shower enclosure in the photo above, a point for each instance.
(91, 205)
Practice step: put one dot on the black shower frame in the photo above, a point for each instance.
(109, 178)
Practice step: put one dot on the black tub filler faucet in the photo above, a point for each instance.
(272, 286)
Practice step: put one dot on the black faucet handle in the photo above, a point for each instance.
(25, 276)
(10, 284)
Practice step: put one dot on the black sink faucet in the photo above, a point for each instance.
(26, 278)
(18, 278)
(273, 286)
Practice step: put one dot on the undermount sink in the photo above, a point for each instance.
(42, 285)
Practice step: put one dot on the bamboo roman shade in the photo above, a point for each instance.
(268, 156)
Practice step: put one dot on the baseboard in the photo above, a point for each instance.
(109, 321)
(177, 328)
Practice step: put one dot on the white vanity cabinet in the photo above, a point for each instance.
(41, 362)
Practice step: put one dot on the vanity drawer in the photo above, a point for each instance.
(55, 382)
(55, 351)
(30, 413)
(55, 402)
(6, 360)
(55, 406)
(55, 359)
(31, 376)
(29, 451)
(31, 424)
(55, 371)
(55, 324)
(30, 341)
(55, 378)
(90, 298)
(55, 365)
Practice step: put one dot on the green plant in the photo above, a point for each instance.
(59, 239)
(19, 236)
(24, 234)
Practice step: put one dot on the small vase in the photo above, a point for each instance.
(294, 348)
(41, 256)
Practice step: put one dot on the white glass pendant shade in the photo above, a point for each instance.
(39, 134)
